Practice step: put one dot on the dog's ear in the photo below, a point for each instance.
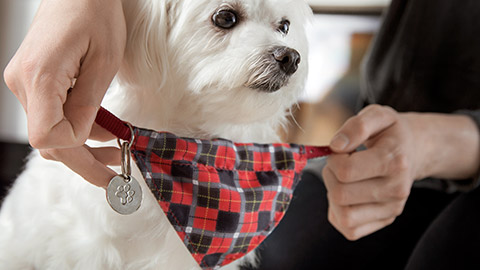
(146, 58)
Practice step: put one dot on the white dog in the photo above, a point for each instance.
(196, 68)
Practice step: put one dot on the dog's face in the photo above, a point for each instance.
(256, 44)
(249, 56)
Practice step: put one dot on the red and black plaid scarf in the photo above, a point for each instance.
(222, 198)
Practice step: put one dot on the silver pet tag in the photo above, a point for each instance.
(124, 193)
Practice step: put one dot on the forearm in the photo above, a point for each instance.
(448, 145)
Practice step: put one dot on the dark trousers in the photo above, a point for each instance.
(435, 231)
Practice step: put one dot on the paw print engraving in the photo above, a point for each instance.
(125, 194)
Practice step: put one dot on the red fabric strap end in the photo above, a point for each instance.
(317, 151)
(113, 124)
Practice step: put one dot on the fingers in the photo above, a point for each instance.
(98, 68)
(106, 155)
(98, 133)
(87, 162)
(352, 232)
(381, 160)
(59, 120)
(360, 207)
(360, 128)
(83, 102)
(358, 220)
(358, 215)
(376, 190)
(42, 93)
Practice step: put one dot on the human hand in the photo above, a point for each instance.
(83, 39)
(368, 189)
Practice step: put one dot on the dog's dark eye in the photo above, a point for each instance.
(284, 26)
(225, 19)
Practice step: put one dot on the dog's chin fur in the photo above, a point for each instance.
(181, 74)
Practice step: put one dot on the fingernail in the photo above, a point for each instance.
(339, 142)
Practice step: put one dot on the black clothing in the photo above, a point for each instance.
(426, 57)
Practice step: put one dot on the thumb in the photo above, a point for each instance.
(358, 129)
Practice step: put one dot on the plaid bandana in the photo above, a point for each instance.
(222, 198)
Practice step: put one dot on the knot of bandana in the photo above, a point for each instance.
(222, 198)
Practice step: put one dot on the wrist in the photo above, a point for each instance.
(446, 146)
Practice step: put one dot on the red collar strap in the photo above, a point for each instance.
(113, 124)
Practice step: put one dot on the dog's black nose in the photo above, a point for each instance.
(287, 58)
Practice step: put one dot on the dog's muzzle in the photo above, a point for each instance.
(273, 69)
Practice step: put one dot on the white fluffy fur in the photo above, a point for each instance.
(180, 74)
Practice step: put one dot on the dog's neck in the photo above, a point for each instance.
(171, 108)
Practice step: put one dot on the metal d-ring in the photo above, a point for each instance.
(126, 154)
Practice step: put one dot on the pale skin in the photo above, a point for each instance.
(368, 189)
(85, 39)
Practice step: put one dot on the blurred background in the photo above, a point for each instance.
(339, 38)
